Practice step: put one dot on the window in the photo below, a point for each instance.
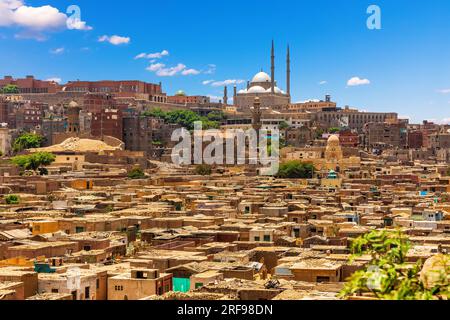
(118, 288)
(97, 284)
(79, 229)
(322, 279)
(198, 285)
(257, 239)
(87, 292)
(267, 238)
(55, 290)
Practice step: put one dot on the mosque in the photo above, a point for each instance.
(265, 88)
(331, 157)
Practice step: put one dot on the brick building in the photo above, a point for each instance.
(415, 139)
(147, 134)
(352, 119)
(349, 139)
(440, 141)
(31, 85)
(96, 102)
(107, 122)
(181, 98)
(123, 89)
(28, 115)
(387, 134)
(4, 110)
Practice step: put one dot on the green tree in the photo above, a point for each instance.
(296, 170)
(34, 161)
(319, 133)
(136, 173)
(283, 125)
(10, 89)
(12, 199)
(334, 130)
(388, 276)
(27, 141)
(203, 170)
(184, 118)
(217, 116)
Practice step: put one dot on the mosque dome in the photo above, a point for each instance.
(261, 77)
(73, 104)
(277, 90)
(333, 140)
(180, 93)
(256, 89)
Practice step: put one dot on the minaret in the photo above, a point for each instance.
(234, 94)
(225, 95)
(273, 67)
(288, 72)
(256, 114)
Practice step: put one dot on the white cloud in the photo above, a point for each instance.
(58, 50)
(441, 121)
(162, 71)
(357, 81)
(170, 72)
(444, 91)
(323, 82)
(114, 40)
(211, 69)
(39, 18)
(57, 80)
(156, 67)
(77, 24)
(189, 72)
(227, 82)
(157, 55)
(206, 82)
(308, 100)
(35, 20)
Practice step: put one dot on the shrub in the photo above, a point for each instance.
(203, 170)
(12, 199)
(296, 170)
(34, 161)
(136, 173)
(27, 141)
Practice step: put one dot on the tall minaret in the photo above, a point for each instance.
(225, 95)
(273, 67)
(234, 94)
(288, 72)
(256, 114)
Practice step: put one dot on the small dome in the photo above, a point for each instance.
(333, 140)
(256, 89)
(180, 93)
(73, 104)
(277, 90)
(261, 77)
(242, 91)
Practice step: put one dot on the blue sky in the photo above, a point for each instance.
(204, 43)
